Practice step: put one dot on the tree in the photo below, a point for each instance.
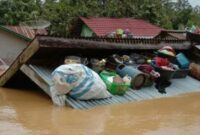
(15, 11)
(63, 13)
(183, 14)
(195, 15)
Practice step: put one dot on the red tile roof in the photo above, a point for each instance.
(104, 25)
(25, 31)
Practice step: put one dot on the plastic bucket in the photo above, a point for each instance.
(114, 88)
(181, 73)
(138, 78)
(183, 62)
(165, 74)
(148, 81)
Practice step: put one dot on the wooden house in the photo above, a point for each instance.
(13, 40)
(172, 34)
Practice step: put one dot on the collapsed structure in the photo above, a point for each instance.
(46, 53)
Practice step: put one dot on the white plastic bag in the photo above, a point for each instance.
(79, 81)
(57, 99)
(66, 77)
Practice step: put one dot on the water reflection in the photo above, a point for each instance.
(31, 112)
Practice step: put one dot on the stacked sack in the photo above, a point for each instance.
(79, 82)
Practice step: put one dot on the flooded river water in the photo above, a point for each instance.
(30, 112)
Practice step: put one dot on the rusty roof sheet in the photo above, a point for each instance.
(26, 31)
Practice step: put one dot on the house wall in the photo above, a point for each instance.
(10, 45)
(86, 31)
(166, 37)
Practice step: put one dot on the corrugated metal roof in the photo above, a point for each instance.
(181, 36)
(104, 25)
(172, 34)
(25, 31)
(177, 87)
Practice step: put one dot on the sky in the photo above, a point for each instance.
(194, 2)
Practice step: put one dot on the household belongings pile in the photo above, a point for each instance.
(85, 79)
(193, 29)
(120, 33)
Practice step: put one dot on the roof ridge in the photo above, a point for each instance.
(7, 29)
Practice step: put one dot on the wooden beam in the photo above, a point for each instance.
(52, 42)
(19, 61)
(36, 78)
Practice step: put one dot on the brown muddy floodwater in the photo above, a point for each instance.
(29, 112)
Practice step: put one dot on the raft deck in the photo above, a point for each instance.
(42, 77)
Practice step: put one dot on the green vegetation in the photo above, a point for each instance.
(62, 14)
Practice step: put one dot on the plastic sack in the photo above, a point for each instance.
(79, 82)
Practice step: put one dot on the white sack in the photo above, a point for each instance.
(79, 81)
